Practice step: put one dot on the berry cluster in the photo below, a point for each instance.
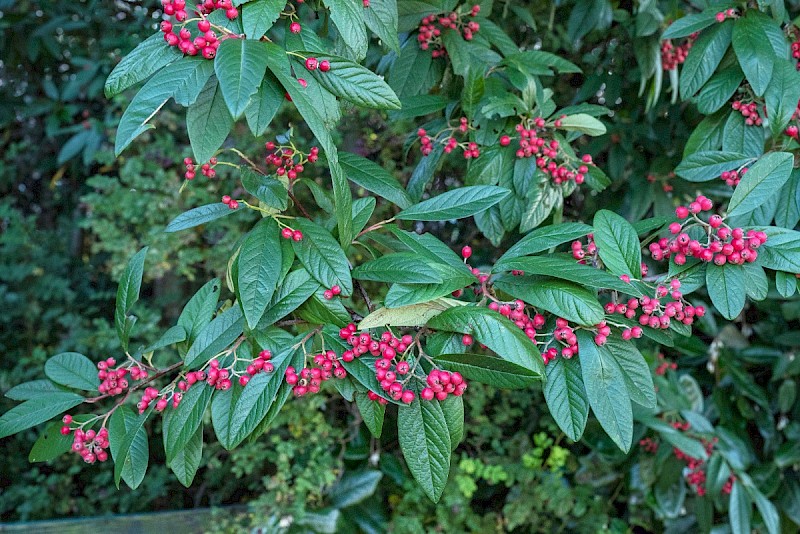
(432, 26)
(205, 42)
(657, 311)
(580, 251)
(796, 45)
(535, 142)
(89, 444)
(164, 400)
(447, 138)
(696, 476)
(441, 384)
(310, 379)
(674, 55)
(113, 381)
(207, 169)
(723, 244)
(749, 111)
(664, 365)
(665, 185)
(259, 364)
(732, 178)
(566, 342)
(231, 203)
(287, 160)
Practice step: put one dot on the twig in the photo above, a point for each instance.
(299, 206)
(363, 293)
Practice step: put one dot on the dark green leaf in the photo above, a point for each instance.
(753, 52)
(266, 189)
(200, 309)
(259, 16)
(197, 216)
(181, 427)
(425, 446)
(51, 444)
(564, 299)
(264, 104)
(187, 460)
(148, 57)
(704, 57)
(127, 294)
(455, 204)
(545, 238)
(727, 288)
(489, 370)
(372, 413)
(216, 336)
(401, 268)
(566, 397)
(259, 269)
(374, 178)
(706, 166)
(760, 182)
(740, 510)
(347, 16)
(352, 82)
(72, 370)
(322, 256)
(381, 18)
(136, 457)
(617, 244)
(208, 121)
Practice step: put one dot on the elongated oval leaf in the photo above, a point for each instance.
(183, 423)
(147, 58)
(259, 269)
(426, 445)
(564, 299)
(455, 204)
(216, 336)
(374, 178)
(706, 166)
(372, 413)
(617, 244)
(753, 51)
(546, 237)
(37, 410)
(489, 370)
(704, 57)
(726, 288)
(352, 82)
(240, 65)
(72, 370)
(322, 256)
(761, 182)
(197, 216)
(606, 391)
(567, 269)
(208, 121)
(635, 370)
(402, 268)
(566, 397)
(259, 16)
(137, 456)
(127, 294)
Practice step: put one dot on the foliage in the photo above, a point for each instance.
(594, 253)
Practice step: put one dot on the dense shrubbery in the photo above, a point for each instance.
(508, 132)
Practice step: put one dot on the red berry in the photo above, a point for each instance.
(312, 63)
(466, 252)
(295, 27)
(325, 65)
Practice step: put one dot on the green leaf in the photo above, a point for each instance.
(690, 446)
(32, 389)
(264, 105)
(404, 295)
(783, 89)
(297, 287)
(757, 282)
(617, 244)
(760, 182)
(347, 16)
(412, 72)
(208, 121)
(352, 82)
(240, 65)
(187, 460)
(566, 397)
(381, 18)
(374, 178)
(51, 444)
(566, 269)
(542, 201)
(172, 336)
(72, 370)
(455, 204)
(132, 447)
(259, 269)
(401, 268)
(704, 57)
(726, 286)
(182, 80)
(259, 16)
(134, 460)
(266, 189)
(606, 391)
(564, 299)
(428, 246)
(216, 336)
(706, 166)
(740, 510)
(200, 309)
(37, 410)
(719, 90)
(354, 487)
(685, 26)
(127, 294)
(768, 511)
(425, 446)
(238, 412)
(322, 256)
(489, 370)
(753, 51)
(363, 208)
(411, 315)
(453, 410)
(581, 122)
(635, 370)
(319, 310)
(545, 238)
(418, 106)
(150, 56)
(372, 413)
(737, 136)
(197, 216)
(785, 283)
(184, 421)
(787, 214)
(586, 16)
(493, 330)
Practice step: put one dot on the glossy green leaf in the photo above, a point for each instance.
(297, 288)
(352, 82)
(617, 244)
(402, 268)
(761, 181)
(37, 410)
(127, 294)
(489, 370)
(455, 204)
(187, 461)
(407, 294)
(50, 444)
(381, 18)
(259, 16)
(583, 123)
(266, 189)
(197, 216)
(566, 397)
(149, 56)
(706, 166)
(72, 370)
(545, 238)
(259, 269)
(704, 57)
(136, 458)
(564, 299)
(240, 65)
(322, 256)
(347, 16)
(372, 413)
(425, 446)
(685, 26)
(783, 89)
(726, 285)
(32, 389)
(208, 121)
(635, 371)
(264, 104)
(215, 336)
(740, 510)
(181, 427)
(566, 269)
(753, 52)
(200, 309)
(374, 178)
(606, 391)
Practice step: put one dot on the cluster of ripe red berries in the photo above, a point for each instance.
(205, 42)
(665, 185)
(310, 379)
(749, 111)
(289, 161)
(655, 313)
(334, 291)
(793, 131)
(90, 445)
(432, 26)
(294, 235)
(672, 55)
(447, 138)
(549, 158)
(732, 178)
(207, 169)
(724, 244)
(260, 364)
(696, 477)
(664, 365)
(230, 202)
(796, 45)
(113, 381)
(727, 14)
(152, 394)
